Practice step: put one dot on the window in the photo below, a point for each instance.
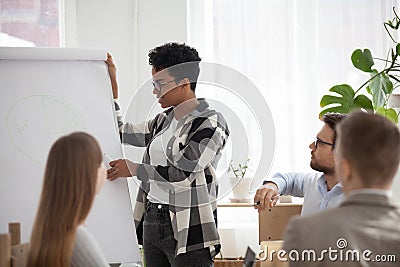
(29, 23)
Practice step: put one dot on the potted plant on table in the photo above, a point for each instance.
(379, 86)
(240, 183)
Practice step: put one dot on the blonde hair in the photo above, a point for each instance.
(69, 188)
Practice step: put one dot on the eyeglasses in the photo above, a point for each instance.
(157, 85)
(322, 142)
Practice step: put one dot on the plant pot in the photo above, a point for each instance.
(240, 189)
(394, 101)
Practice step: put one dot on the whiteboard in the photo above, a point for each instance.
(46, 93)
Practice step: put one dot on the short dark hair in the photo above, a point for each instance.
(172, 54)
(332, 120)
(371, 144)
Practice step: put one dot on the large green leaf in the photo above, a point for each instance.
(345, 101)
(388, 113)
(387, 85)
(341, 103)
(344, 90)
(378, 98)
(380, 86)
(362, 101)
(362, 60)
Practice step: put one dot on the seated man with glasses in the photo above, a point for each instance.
(321, 190)
(364, 230)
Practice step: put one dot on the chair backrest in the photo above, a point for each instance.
(12, 252)
(5, 250)
(269, 257)
(273, 221)
(19, 255)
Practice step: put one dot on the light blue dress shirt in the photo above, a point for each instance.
(311, 186)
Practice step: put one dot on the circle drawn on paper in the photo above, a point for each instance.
(35, 122)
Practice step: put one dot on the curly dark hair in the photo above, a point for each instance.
(172, 54)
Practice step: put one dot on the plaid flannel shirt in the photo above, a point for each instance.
(192, 155)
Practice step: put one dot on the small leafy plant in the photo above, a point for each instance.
(240, 170)
(379, 86)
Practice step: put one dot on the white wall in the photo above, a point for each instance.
(127, 29)
(158, 22)
(103, 24)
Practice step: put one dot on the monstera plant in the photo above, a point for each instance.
(379, 86)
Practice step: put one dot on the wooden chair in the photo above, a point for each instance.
(12, 252)
(273, 221)
(272, 225)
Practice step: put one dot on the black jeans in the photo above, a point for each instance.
(159, 243)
